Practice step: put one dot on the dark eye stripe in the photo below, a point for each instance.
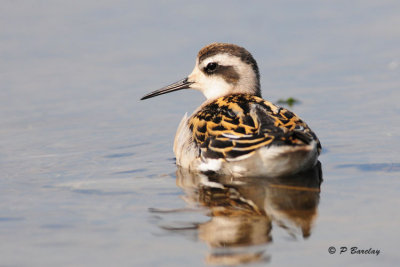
(228, 73)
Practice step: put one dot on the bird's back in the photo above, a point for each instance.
(237, 125)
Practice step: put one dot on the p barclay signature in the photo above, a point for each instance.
(355, 250)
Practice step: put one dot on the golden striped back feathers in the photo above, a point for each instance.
(237, 125)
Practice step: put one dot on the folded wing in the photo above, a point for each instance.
(237, 125)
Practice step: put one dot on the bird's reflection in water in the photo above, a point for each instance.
(243, 210)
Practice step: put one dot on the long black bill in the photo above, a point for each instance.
(179, 85)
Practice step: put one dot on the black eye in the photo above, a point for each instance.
(211, 67)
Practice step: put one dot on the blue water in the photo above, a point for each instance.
(87, 170)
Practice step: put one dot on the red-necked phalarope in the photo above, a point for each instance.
(235, 131)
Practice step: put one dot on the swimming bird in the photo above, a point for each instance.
(236, 132)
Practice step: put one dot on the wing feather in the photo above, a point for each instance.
(238, 125)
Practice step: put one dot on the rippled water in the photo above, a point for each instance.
(88, 174)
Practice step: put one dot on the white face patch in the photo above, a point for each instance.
(214, 86)
(211, 87)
